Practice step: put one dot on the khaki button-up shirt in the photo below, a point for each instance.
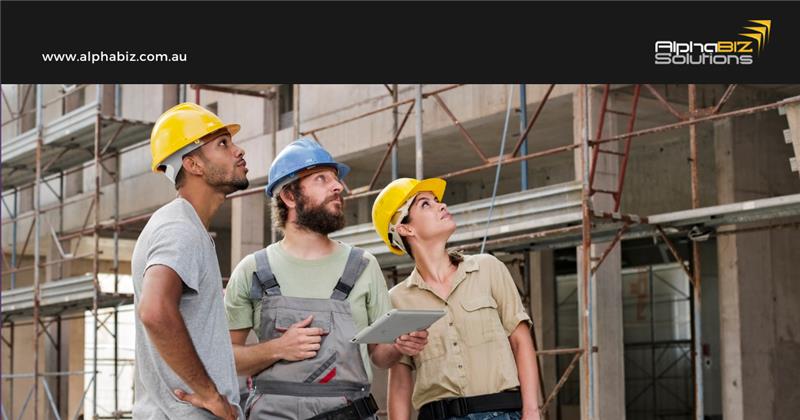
(468, 352)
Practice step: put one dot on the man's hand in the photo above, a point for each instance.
(216, 403)
(412, 343)
(300, 342)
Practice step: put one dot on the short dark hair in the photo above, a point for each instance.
(280, 211)
(179, 179)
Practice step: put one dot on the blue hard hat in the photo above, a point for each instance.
(297, 156)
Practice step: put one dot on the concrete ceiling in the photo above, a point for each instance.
(446, 150)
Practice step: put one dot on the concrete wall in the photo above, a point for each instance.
(142, 102)
(658, 174)
(758, 288)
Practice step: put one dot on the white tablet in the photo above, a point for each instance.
(396, 323)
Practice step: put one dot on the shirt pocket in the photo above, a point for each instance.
(307, 370)
(284, 318)
(481, 320)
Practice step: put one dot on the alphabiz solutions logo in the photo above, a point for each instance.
(754, 38)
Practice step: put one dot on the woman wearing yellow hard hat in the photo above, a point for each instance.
(479, 362)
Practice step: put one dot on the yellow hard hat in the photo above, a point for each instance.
(393, 197)
(180, 126)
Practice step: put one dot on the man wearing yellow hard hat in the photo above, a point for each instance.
(479, 363)
(305, 297)
(184, 358)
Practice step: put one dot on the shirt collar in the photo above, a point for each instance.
(467, 266)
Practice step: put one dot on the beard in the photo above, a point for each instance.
(226, 183)
(318, 218)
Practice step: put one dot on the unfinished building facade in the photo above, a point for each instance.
(651, 229)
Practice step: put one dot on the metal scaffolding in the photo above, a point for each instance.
(578, 222)
(86, 135)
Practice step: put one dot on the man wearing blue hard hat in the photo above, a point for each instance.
(305, 297)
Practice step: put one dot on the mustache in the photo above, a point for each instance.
(335, 197)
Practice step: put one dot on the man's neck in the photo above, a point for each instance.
(305, 244)
(205, 200)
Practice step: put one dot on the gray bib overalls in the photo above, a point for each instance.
(335, 377)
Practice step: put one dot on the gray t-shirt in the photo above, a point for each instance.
(175, 237)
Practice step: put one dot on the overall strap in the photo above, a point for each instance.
(264, 281)
(356, 264)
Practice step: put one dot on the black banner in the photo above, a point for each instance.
(399, 42)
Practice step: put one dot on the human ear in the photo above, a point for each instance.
(192, 165)
(288, 198)
(405, 230)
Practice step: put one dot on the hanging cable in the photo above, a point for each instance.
(499, 164)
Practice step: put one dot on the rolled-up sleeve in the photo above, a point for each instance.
(509, 303)
(239, 306)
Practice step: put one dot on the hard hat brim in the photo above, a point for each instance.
(233, 128)
(341, 171)
(434, 185)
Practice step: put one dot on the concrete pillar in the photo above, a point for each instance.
(269, 111)
(364, 213)
(107, 99)
(75, 99)
(28, 120)
(247, 226)
(607, 382)
(171, 96)
(74, 332)
(543, 312)
(758, 288)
